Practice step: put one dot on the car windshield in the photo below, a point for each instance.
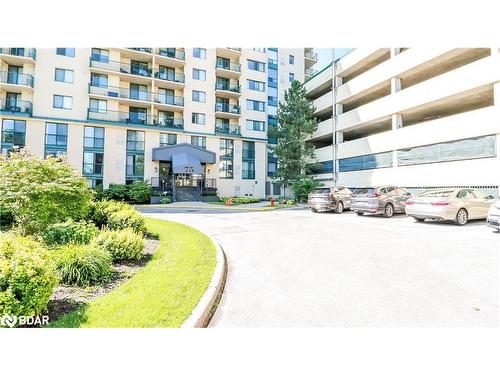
(437, 193)
(368, 191)
(321, 191)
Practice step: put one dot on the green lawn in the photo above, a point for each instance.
(163, 293)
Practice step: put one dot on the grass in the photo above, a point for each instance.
(163, 293)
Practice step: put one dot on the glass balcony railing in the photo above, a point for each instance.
(117, 66)
(148, 96)
(16, 78)
(16, 106)
(227, 86)
(311, 55)
(141, 49)
(172, 53)
(234, 49)
(169, 99)
(223, 64)
(24, 52)
(228, 108)
(134, 118)
(227, 129)
(310, 72)
(169, 76)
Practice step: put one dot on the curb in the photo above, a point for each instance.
(215, 207)
(202, 314)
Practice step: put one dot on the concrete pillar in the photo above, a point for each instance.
(397, 121)
(337, 81)
(339, 109)
(395, 84)
(339, 137)
(395, 52)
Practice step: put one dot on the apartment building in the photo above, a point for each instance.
(414, 117)
(187, 120)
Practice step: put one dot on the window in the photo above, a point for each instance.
(256, 105)
(291, 77)
(98, 106)
(323, 167)
(199, 96)
(256, 125)
(135, 140)
(167, 139)
(139, 92)
(272, 79)
(64, 75)
(199, 141)
(70, 52)
(291, 59)
(248, 161)
(259, 49)
(200, 53)
(272, 98)
(13, 134)
(472, 148)
(359, 163)
(256, 65)
(226, 147)
(56, 139)
(198, 118)
(92, 163)
(199, 74)
(63, 102)
(99, 80)
(93, 137)
(256, 85)
(135, 167)
(93, 183)
(101, 55)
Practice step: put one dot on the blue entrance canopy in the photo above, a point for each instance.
(186, 163)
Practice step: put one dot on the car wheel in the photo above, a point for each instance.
(462, 217)
(388, 210)
(340, 207)
(359, 213)
(314, 210)
(418, 219)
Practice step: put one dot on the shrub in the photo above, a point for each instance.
(117, 192)
(303, 187)
(40, 192)
(239, 200)
(124, 244)
(166, 200)
(83, 265)
(101, 210)
(126, 218)
(27, 276)
(140, 192)
(6, 217)
(290, 202)
(70, 231)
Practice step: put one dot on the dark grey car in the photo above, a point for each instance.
(329, 199)
(385, 200)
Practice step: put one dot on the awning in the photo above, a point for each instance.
(186, 163)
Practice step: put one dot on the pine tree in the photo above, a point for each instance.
(296, 122)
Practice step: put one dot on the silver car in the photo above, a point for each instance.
(457, 205)
(329, 199)
(493, 219)
(385, 200)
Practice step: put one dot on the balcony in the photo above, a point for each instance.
(309, 72)
(227, 90)
(228, 129)
(171, 101)
(227, 69)
(18, 54)
(121, 93)
(170, 56)
(142, 49)
(11, 79)
(229, 52)
(16, 107)
(143, 73)
(169, 79)
(132, 118)
(310, 58)
(227, 110)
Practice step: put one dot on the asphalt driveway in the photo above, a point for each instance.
(293, 268)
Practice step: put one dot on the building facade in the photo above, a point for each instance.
(411, 117)
(191, 118)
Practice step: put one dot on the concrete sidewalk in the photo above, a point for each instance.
(259, 206)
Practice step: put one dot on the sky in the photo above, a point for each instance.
(325, 56)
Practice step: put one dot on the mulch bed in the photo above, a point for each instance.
(67, 298)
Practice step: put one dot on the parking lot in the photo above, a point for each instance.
(293, 268)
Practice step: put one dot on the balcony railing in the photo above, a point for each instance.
(168, 76)
(311, 55)
(171, 53)
(228, 108)
(135, 118)
(148, 96)
(227, 86)
(24, 52)
(16, 106)
(234, 49)
(310, 72)
(117, 66)
(221, 64)
(227, 129)
(16, 78)
(141, 49)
